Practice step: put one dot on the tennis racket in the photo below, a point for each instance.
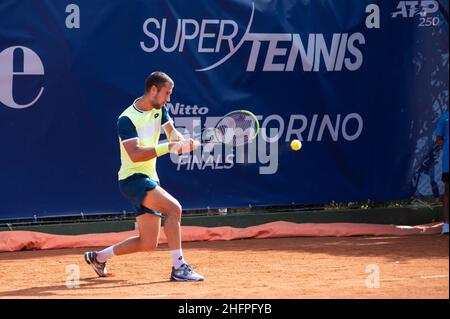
(236, 128)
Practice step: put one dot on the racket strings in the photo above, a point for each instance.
(236, 128)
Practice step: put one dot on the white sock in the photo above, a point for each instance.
(105, 254)
(177, 258)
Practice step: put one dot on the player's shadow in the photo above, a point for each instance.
(85, 283)
(45, 253)
(390, 248)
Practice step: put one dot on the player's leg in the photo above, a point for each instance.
(150, 199)
(445, 228)
(135, 188)
(149, 226)
(157, 200)
(161, 201)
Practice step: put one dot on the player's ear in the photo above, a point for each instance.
(153, 90)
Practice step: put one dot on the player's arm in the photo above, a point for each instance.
(175, 136)
(172, 133)
(142, 154)
(130, 140)
(439, 132)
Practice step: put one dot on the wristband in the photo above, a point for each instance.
(162, 149)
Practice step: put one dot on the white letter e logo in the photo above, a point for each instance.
(32, 65)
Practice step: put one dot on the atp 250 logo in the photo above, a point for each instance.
(16, 62)
(426, 11)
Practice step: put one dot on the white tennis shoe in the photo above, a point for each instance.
(185, 273)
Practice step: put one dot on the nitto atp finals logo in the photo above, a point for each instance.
(311, 53)
(191, 120)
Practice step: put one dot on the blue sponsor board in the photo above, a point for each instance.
(360, 83)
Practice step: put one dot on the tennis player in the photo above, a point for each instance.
(139, 128)
(441, 133)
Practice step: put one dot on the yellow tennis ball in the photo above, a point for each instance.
(296, 145)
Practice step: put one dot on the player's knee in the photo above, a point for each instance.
(174, 210)
(178, 209)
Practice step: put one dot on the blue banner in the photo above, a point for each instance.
(360, 83)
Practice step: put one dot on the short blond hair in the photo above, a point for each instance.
(157, 79)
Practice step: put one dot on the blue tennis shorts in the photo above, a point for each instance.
(135, 188)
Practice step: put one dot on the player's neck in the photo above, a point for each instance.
(143, 105)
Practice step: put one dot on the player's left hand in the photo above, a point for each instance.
(188, 145)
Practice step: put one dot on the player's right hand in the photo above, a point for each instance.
(194, 144)
(175, 147)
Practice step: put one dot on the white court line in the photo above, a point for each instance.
(437, 276)
(421, 277)
(393, 279)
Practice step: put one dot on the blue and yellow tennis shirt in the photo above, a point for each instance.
(145, 126)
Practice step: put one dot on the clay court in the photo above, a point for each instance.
(301, 267)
